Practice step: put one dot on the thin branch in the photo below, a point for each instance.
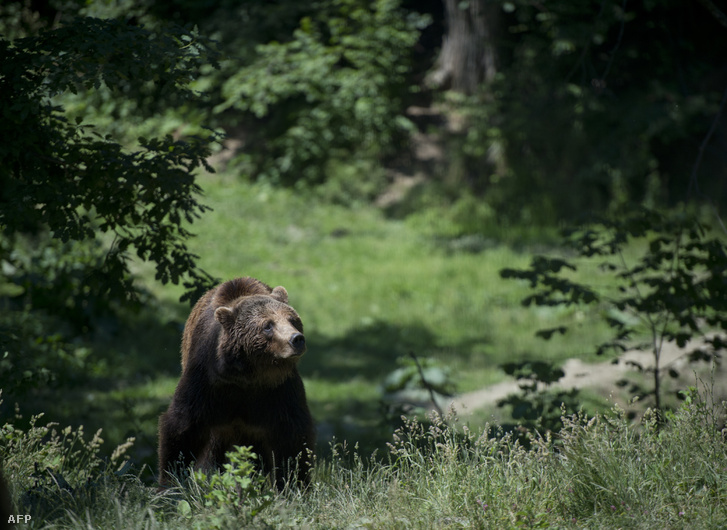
(617, 46)
(714, 11)
(587, 47)
(693, 182)
(426, 384)
(635, 286)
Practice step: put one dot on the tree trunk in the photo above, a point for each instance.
(469, 55)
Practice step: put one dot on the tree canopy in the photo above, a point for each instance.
(75, 203)
(76, 182)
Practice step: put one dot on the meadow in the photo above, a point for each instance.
(371, 288)
(409, 204)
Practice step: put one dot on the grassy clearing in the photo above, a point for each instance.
(370, 289)
(377, 286)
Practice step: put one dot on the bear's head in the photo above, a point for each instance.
(262, 338)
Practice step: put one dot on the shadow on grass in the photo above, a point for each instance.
(345, 374)
(121, 386)
(477, 229)
(367, 352)
(354, 422)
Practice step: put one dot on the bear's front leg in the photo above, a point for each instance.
(288, 453)
(180, 443)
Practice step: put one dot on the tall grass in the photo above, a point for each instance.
(600, 472)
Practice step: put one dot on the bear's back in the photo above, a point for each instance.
(230, 291)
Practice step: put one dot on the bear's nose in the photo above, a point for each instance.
(297, 341)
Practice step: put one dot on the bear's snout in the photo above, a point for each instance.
(297, 341)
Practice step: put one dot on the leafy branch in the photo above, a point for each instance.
(64, 176)
(673, 293)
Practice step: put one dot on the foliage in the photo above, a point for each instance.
(674, 293)
(546, 139)
(54, 471)
(537, 408)
(77, 182)
(32, 357)
(234, 27)
(238, 491)
(335, 89)
(58, 278)
(163, 102)
(315, 91)
(75, 205)
(351, 183)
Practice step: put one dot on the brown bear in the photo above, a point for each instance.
(240, 385)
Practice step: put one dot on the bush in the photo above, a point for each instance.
(54, 473)
(335, 87)
(672, 292)
(237, 493)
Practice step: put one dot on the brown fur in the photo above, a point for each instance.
(240, 383)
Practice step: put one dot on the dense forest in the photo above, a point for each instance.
(633, 92)
(396, 164)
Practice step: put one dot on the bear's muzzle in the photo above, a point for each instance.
(297, 341)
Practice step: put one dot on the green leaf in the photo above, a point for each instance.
(184, 509)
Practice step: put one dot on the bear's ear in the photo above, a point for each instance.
(280, 294)
(225, 316)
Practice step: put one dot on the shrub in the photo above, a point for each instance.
(673, 292)
(335, 88)
(237, 493)
(54, 472)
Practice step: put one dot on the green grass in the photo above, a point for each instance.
(369, 288)
(603, 472)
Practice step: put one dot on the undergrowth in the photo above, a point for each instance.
(602, 471)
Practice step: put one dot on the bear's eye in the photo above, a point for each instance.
(268, 326)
